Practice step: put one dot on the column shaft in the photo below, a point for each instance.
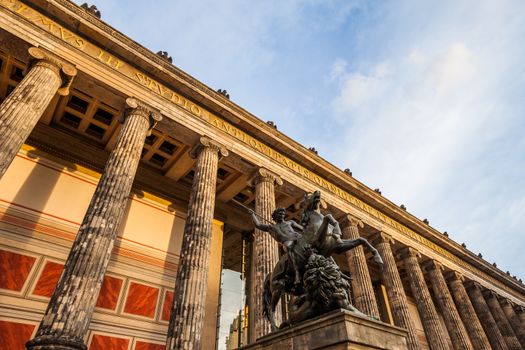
(189, 302)
(363, 292)
(501, 320)
(69, 312)
(394, 288)
(429, 317)
(520, 311)
(455, 327)
(24, 106)
(485, 317)
(468, 314)
(265, 252)
(514, 320)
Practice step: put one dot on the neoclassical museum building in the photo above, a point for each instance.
(124, 184)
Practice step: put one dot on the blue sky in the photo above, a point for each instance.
(422, 99)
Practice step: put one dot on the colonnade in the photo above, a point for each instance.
(475, 317)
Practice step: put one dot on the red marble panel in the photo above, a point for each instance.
(166, 307)
(48, 279)
(140, 345)
(109, 292)
(14, 335)
(14, 269)
(141, 300)
(106, 342)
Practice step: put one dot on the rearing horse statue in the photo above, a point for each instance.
(322, 235)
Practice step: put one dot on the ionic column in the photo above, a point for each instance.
(513, 319)
(429, 317)
(485, 317)
(69, 312)
(47, 74)
(467, 312)
(456, 329)
(265, 252)
(363, 292)
(189, 301)
(520, 311)
(394, 288)
(501, 320)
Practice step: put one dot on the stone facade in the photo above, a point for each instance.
(72, 178)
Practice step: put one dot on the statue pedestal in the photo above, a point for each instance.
(336, 330)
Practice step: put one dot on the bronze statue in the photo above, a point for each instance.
(284, 233)
(308, 272)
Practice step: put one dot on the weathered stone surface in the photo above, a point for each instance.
(70, 309)
(467, 312)
(265, 252)
(456, 329)
(363, 292)
(394, 288)
(501, 320)
(189, 302)
(485, 317)
(427, 311)
(337, 330)
(520, 311)
(22, 109)
(514, 320)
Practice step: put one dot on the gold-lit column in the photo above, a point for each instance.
(513, 319)
(47, 74)
(485, 316)
(427, 311)
(362, 290)
(467, 312)
(394, 288)
(70, 309)
(456, 329)
(265, 252)
(501, 320)
(189, 298)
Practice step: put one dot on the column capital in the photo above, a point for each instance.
(207, 143)
(505, 301)
(470, 285)
(63, 68)
(265, 175)
(381, 237)
(519, 308)
(350, 220)
(136, 106)
(489, 294)
(454, 276)
(432, 264)
(407, 252)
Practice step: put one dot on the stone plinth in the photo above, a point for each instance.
(337, 330)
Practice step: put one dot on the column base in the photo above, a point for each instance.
(54, 344)
(337, 330)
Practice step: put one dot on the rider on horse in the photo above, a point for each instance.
(283, 231)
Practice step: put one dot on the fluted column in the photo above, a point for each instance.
(520, 311)
(47, 74)
(394, 288)
(363, 292)
(69, 312)
(501, 320)
(485, 316)
(456, 329)
(427, 311)
(513, 319)
(189, 302)
(265, 252)
(467, 312)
